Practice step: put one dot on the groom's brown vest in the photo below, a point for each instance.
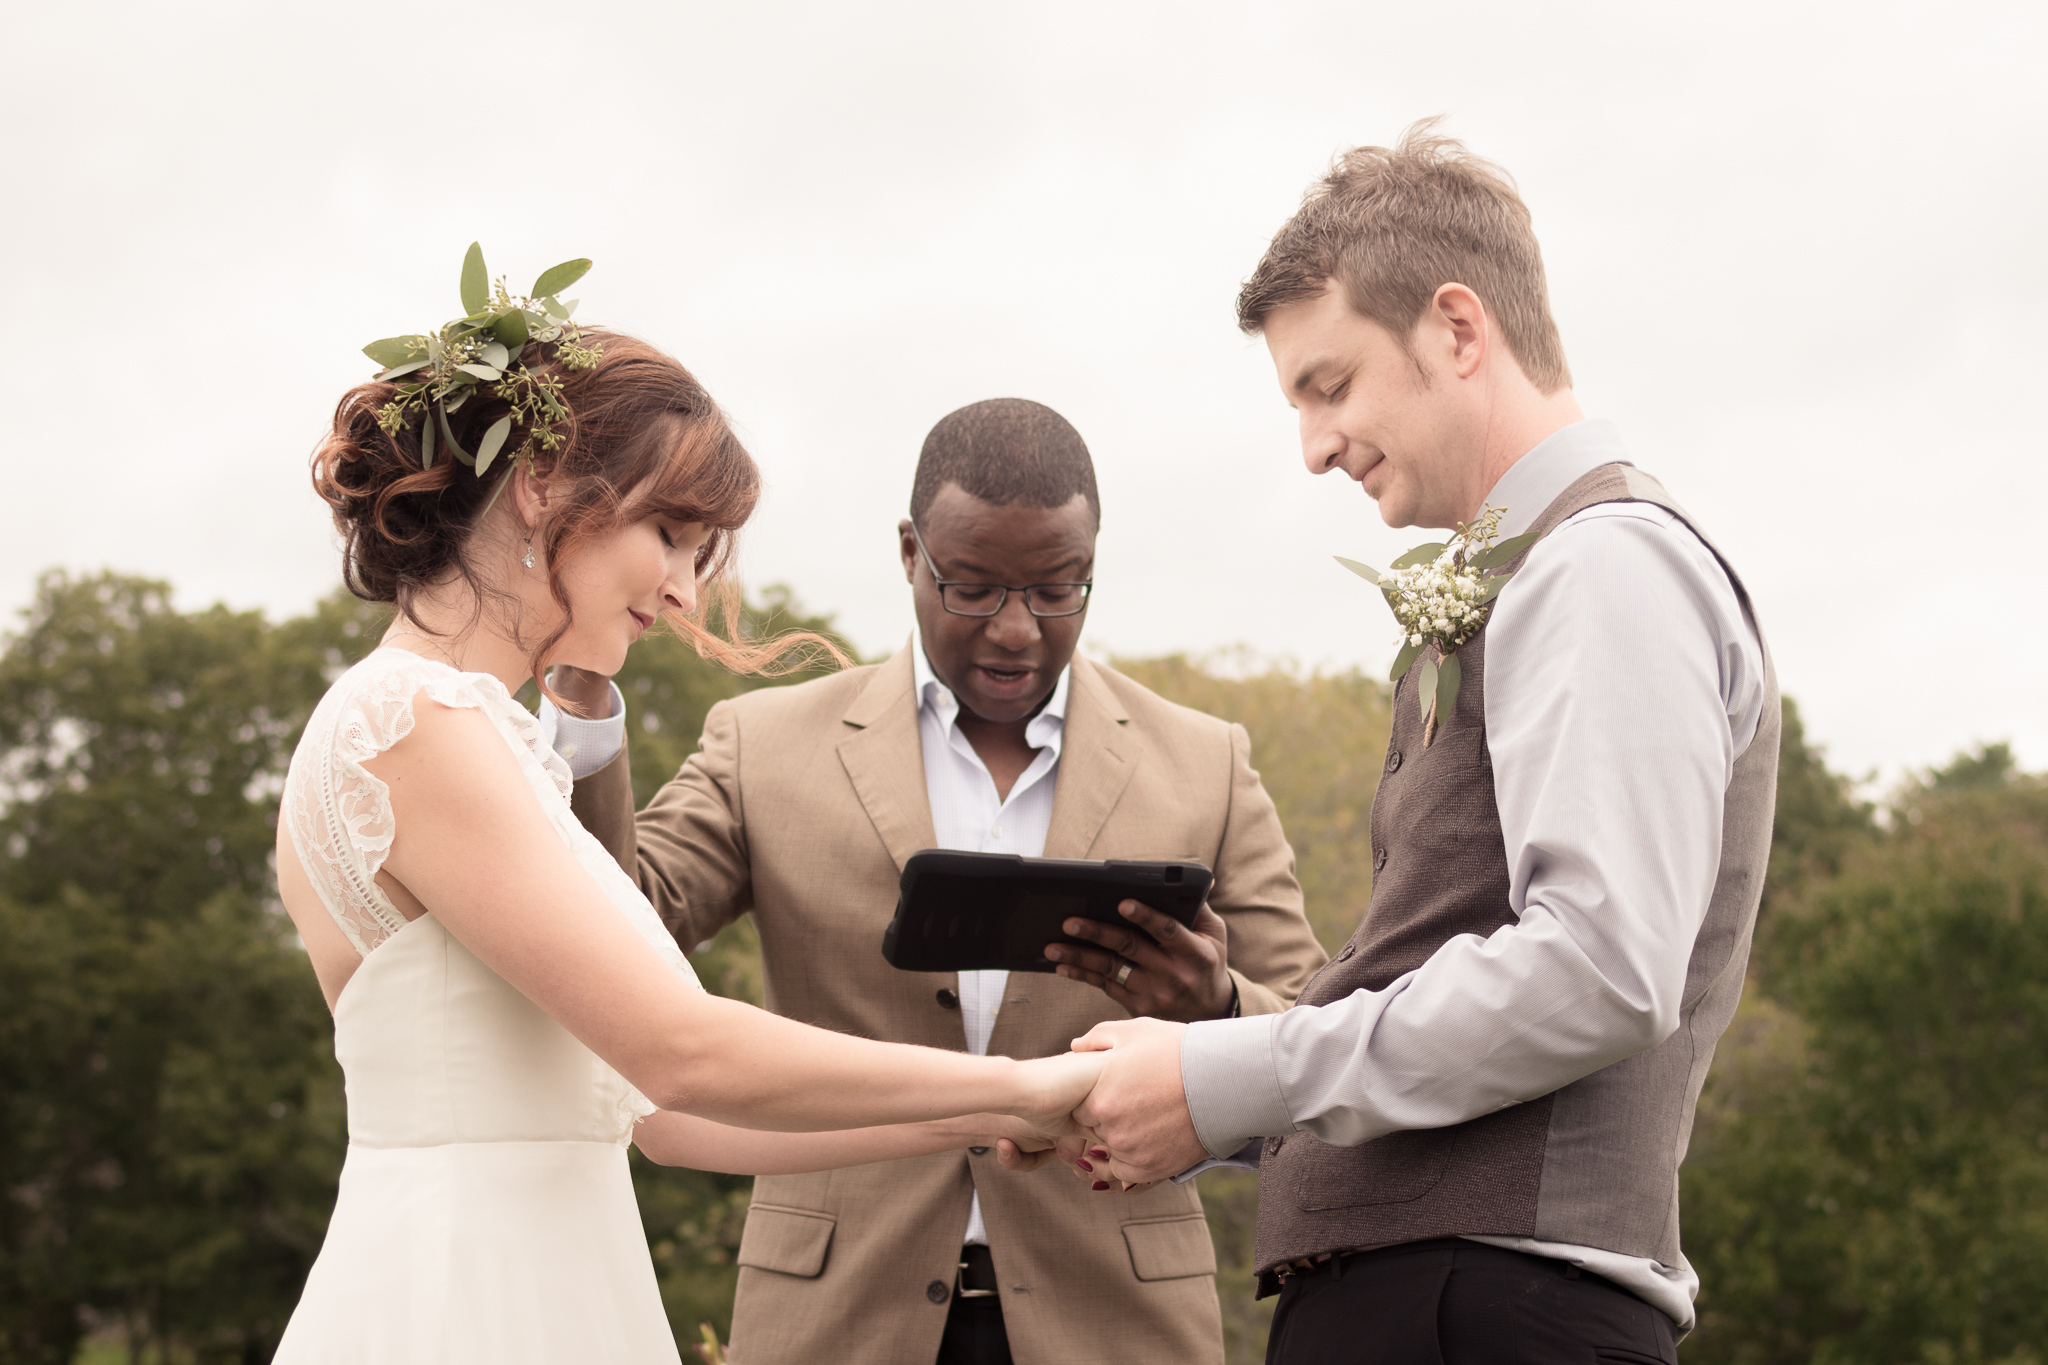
(1594, 1164)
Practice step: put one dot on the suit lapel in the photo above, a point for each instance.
(1097, 757)
(884, 758)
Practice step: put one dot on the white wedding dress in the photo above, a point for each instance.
(485, 1211)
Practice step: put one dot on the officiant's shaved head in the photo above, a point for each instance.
(1007, 452)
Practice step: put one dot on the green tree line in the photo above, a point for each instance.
(1866, 1181)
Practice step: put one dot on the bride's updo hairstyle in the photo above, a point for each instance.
(642, 437)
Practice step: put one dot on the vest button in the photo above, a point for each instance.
(947, 999)
(1393, 760)
(1274, 1144)
(937, 1292)
(1379, 859)
(1345, 955)
(979, 1151)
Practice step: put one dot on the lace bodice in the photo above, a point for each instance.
(339, 813)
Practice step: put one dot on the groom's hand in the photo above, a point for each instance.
(1138, 1109)
(1176, 973)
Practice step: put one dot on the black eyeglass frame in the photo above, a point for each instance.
(1003, 590)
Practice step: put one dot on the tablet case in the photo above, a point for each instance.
(959, 912)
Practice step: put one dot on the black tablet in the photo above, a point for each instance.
(961, 912)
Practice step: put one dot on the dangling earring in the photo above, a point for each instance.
(527, 558)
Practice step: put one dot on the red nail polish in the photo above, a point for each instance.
(1100, 1185)
(1099, 1154)
(1082, 1164)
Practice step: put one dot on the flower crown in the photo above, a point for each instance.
(483, 347)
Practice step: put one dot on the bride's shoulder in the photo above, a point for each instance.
(391, 693)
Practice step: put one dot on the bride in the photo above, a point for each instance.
(508, 1010)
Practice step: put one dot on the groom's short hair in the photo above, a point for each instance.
(1393, 225)
(1006, 451)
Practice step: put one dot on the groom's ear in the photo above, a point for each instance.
(1459, 330)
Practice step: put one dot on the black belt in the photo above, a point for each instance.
(1448, 1250)
(976, 1278)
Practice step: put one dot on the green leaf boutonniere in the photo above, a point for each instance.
(1441, 594)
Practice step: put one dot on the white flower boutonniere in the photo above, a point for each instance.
(1441, 594)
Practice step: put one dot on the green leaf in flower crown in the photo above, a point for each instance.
(1404, 661)
(493, 441)
(490, 372)
(1425, 685)
(427, 444)
(448, 435)
(495, 355)
(394, 350)
(1368, 574)
(1500, 553)
(1421, 554)
(555, 280)
(512, 330)
(476, 281)
(452, 402)
(1446, 688)
(397, 371)
(435, 351)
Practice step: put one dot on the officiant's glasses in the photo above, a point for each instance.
(986, 599)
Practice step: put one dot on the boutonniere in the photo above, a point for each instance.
(1441, 594)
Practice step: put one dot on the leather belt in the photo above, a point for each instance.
(976, 1277)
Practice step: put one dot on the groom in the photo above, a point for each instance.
(1472, 1120)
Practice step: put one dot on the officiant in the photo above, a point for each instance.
(985, 732)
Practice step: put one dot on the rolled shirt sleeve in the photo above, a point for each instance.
(1622, 680)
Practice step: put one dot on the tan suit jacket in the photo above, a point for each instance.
(801, 806)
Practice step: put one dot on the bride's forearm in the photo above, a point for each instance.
(732, 1063)
(685, 1140)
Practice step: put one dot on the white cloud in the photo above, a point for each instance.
(1795, 252)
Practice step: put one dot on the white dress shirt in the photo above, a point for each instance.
(966, 811)
(1622, 681)
(967, 814)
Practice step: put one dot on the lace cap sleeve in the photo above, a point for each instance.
(337, 812)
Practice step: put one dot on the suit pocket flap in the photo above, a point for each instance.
(786, 1241)
(1171, 1248)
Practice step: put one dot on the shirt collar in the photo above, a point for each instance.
(1043, 732)
(1552, 465)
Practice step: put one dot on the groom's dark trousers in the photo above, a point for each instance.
(1453, 1302)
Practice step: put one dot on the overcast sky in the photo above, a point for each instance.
(1796, 251)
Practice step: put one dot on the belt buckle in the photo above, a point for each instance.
(960, 1285)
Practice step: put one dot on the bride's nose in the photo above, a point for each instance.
(679, 594)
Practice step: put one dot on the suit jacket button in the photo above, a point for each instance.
(1379, 859)
(937, 1292)
(979, 1151)
(948, 1000)
(1393, 760)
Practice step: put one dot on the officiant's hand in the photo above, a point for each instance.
(1138, 1110)
(1174, 973)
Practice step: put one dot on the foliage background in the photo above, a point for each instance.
(1868, 1179)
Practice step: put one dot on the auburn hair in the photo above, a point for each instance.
(643, 438)
(1394, 225)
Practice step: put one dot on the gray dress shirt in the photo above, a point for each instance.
(1622, 681)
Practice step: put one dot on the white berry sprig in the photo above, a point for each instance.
(1441, 594)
